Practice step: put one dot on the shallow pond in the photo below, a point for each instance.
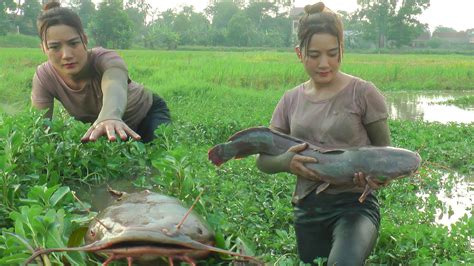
(428, 106)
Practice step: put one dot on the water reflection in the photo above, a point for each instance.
(427, 106)
(457, 196)
(458, 201)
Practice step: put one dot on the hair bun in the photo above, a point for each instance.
(51, 5)
(316, 8)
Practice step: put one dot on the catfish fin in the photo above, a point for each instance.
(322, 187)
(366, 192)
(247, 131)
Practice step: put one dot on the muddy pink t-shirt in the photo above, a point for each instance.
(85, 104)
(337, 122)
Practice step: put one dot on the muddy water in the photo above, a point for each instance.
(458, 201)
(428, 106)
(456, 195)
(99, 196)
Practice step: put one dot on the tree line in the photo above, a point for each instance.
(119, 24)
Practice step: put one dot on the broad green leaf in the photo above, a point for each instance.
(3, 161)
(16, 259)
(49, 192)
(77, 237)
(19, 226)
(58, 195)
(246, 246)
(220, 240)
(54, 240)
(20, 239)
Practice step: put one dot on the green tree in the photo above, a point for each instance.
(192, 27)
(138, 12)
(160, 32)
(30, 9)
(277, 33)
(240, 30)
(272, 27)
(404, 27)
(259, 12)
(85, 9)
(111, 27)
(390, 20)
(5, 17)
(440, 29)
(281, 5)
(221, 13)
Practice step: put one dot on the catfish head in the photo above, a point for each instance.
(146, 226)
(390, 162)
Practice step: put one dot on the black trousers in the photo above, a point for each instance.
(157, 115)
(336, 227)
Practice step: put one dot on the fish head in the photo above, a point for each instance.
(394, 162)
(146, 217)
(216, 155)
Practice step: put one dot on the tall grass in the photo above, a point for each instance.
(171, 71)
(277, 71)
(18, 40)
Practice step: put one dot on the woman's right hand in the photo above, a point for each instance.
(297, 163)
(109, 128)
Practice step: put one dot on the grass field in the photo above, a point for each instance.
(212, 95)
(165, 71)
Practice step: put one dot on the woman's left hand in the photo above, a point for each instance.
(361, 180)
(111, 129)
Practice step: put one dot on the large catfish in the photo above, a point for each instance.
(334, 166)
(145, 226)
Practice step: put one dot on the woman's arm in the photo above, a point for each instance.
(290, 161)
(40, 98)
(379, 133)
(114, 89)
(109, 122)
(274, 164)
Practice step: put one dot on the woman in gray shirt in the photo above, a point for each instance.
(92, 85)
(331, 110)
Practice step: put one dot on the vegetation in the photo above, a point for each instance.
(259, 70)
(211, 95)
(118, 24)
(463, 102)
(19, 40)
(386, 21)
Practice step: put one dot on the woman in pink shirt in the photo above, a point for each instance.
(331, 110)
(92, 85)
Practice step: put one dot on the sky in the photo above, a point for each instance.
(458, 14)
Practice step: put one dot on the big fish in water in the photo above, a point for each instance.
(334, 166)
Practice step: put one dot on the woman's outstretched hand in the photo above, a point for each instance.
(297, 163)
(111, 129)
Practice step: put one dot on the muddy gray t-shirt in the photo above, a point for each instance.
(85, 104)
(337, 122)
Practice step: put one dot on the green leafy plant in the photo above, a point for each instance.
(43, 220)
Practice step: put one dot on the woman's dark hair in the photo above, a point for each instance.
(53, 14)
(318, 18)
